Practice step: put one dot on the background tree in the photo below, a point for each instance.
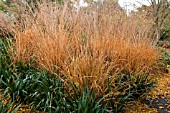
(159, 11)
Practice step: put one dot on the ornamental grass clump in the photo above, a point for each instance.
(87, 46)
(98, 46)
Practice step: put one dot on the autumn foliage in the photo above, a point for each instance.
(87, 46)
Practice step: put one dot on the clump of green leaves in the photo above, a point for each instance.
(165, 57)
(166, 30)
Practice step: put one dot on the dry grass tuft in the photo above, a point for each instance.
(87, 46)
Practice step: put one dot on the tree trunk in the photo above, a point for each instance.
(158, 35)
